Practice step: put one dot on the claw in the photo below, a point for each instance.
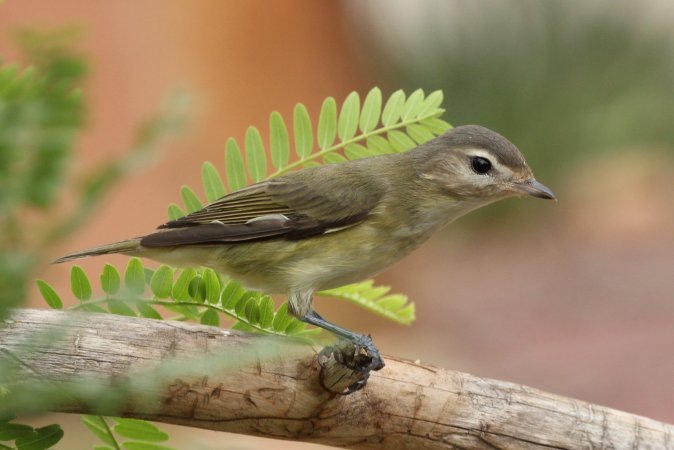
(359, 355)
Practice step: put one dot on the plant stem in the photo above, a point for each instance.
(109, 431)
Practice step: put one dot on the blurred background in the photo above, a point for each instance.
(575, 298)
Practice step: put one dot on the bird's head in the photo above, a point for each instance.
(471, 162)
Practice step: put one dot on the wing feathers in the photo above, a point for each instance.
(280, 208)
(214, 233)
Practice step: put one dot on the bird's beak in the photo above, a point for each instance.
(535, 189)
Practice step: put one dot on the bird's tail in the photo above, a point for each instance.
(127, 246)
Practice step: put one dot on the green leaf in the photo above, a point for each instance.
(348, 117)
(190, 199)
(240, 307)
(102, 447)
(379, 145)
(294, 327)
(234, 168)
(371, 110)
(49, 295)
(146, 310)
(327, 123)
(431, 104)
(333, 158)
(266, 312)
(175, 212)
(134, 445)
(357, 151)
(400, 141)
(419, 133)
(188, 311)
(134, 276)
(393, 108)
(304, 135)
(181, 287)
(42, 439)
(110, 279)
(96, 425)
(5, 417)
(91, 308)
(119, 307)
(148, 273)
(375, 299)
(407, 314)
(255, 155)
(243, 326)
(213, 185)
(79, 283)
(13, 431)
(210, 317)
(278, 140)
(212, 286)
(281, 318)
(197, 289)
(231, 294)
(139, 429)
(435, 125)
(252, 311)
(162, 282)
(413, 105)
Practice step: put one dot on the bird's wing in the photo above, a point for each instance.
(280, 208)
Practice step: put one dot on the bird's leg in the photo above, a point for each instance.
(353, 350)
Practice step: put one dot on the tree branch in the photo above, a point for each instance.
(270, 388)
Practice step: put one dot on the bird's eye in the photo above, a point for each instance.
(480, 165)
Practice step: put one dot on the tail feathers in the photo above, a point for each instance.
(127, 246)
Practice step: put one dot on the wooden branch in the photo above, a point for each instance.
(273, 391)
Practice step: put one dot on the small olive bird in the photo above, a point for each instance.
(327, 226)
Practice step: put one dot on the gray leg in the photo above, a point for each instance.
(353, 350)
(354, 358)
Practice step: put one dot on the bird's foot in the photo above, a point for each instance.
(359, 356)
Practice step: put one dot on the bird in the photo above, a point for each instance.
(331, 225)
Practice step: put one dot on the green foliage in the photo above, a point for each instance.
(42, 112)
(197, 295)
(49, 295)
(143, 435)
(79, 283)
(26, 437)
(351, 134)
(374, 298)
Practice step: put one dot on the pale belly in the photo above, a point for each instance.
(281, 266)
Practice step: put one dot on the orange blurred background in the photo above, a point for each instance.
(573, 298)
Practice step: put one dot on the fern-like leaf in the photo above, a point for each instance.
(197, 295)
(213, 185)
(255, 155)
(376, 299)
(278, 140)
(304, 136)
(327, 124)
(236, 172)
(129, 434)
(404, 122)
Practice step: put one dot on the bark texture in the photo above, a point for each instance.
(224, 380)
